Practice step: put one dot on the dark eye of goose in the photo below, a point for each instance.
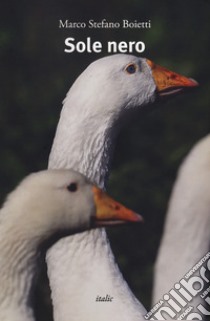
(131, 69)
(72, 187)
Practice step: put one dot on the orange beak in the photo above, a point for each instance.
(110, 212)
(169, 82)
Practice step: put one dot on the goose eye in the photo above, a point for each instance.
(131, 69)
(72, 187)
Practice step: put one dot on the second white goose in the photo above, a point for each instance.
(186, 237)
(43, 208)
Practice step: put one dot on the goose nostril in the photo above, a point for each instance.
(117, 207)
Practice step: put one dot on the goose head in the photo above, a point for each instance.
(116, 83)
(99, 102)
(43, 208)
(63, 200)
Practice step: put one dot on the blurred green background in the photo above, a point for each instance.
(35, 75)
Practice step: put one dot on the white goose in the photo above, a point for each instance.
(98, 103)
(186, 233)
(44, 207)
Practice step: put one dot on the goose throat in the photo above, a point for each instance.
(89, 154)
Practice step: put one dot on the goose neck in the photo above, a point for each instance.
(17, 275)
(87, 149)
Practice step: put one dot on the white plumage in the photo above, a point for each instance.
(96, 106)
(43, 208)
(186, 233)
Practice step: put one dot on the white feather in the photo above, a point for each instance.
(83, 267)
(40, 207)
(186, 233)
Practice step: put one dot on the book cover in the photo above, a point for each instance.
(45, 46)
